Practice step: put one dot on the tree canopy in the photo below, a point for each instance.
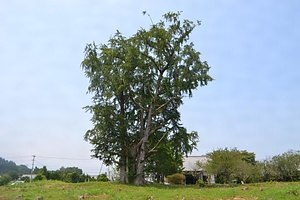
(138, 84)
(232, 165)
(283, 167)
(9, 166)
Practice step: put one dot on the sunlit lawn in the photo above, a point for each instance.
(105, 190)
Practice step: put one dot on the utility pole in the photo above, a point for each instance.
(100, 168)
(108, 173)
(33, 158)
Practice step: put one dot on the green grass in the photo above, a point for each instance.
(105, 190)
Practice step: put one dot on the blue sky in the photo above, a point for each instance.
(251, 46)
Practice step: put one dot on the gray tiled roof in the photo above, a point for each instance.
(190, 163)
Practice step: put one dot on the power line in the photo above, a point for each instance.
(49, 157)
(35, 159)
(38, 163)
(16, 157)
(63, 158)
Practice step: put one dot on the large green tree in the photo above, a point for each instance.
(138, 84)
(283, 167)
(231, 164)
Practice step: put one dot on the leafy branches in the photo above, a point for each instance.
(138, 85)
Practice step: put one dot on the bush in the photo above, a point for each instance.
(102, 178)
(200, 183)
(4, 179)
(14, 175)
(176, 178)
(25, 179)
(72, 177)
(39, 177)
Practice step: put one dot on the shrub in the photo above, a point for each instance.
(4, 179)
(14, 175)
(102, 178)
(25, 179)
(200, 183)
(176, 178)
(39, 177)
(72, 177)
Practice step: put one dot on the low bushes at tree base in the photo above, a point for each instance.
(176, 179)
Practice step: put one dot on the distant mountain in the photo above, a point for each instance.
(9, 166)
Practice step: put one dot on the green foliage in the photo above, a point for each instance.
(102, 178)
(168, 158)
(138, 85)
(248, 157)
(72, 177)
(23, 169)
(9, 166)
(200, 183)
(14, 175)
(70, 170)
(44, 172)
(39, 177)
(163, 163)
(231, 165)
(176, 178)
(294, 192)
(36, 170)
(69, 174)
(25, 179)
(284, 167)
(110, 190)
(4, 179)
(55, 175)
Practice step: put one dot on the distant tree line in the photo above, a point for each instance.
(9, 171)
(232, 165)
(9, 166)
(69, 174)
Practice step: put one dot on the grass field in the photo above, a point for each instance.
(104, 190)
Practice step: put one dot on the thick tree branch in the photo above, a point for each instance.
(150, 153)
(159, 127)
(150, 133)
(166, 103)
(153, 150)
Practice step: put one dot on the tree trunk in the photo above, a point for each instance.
(139, 179)
(123, 165)
(122, 174)
(162, 178)
(127, 170)
(124, 157)
(141, 154)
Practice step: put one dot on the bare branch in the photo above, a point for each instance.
(153, 149)
(138, 144)
(150, 153)
(159, 127)
(166, 103)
